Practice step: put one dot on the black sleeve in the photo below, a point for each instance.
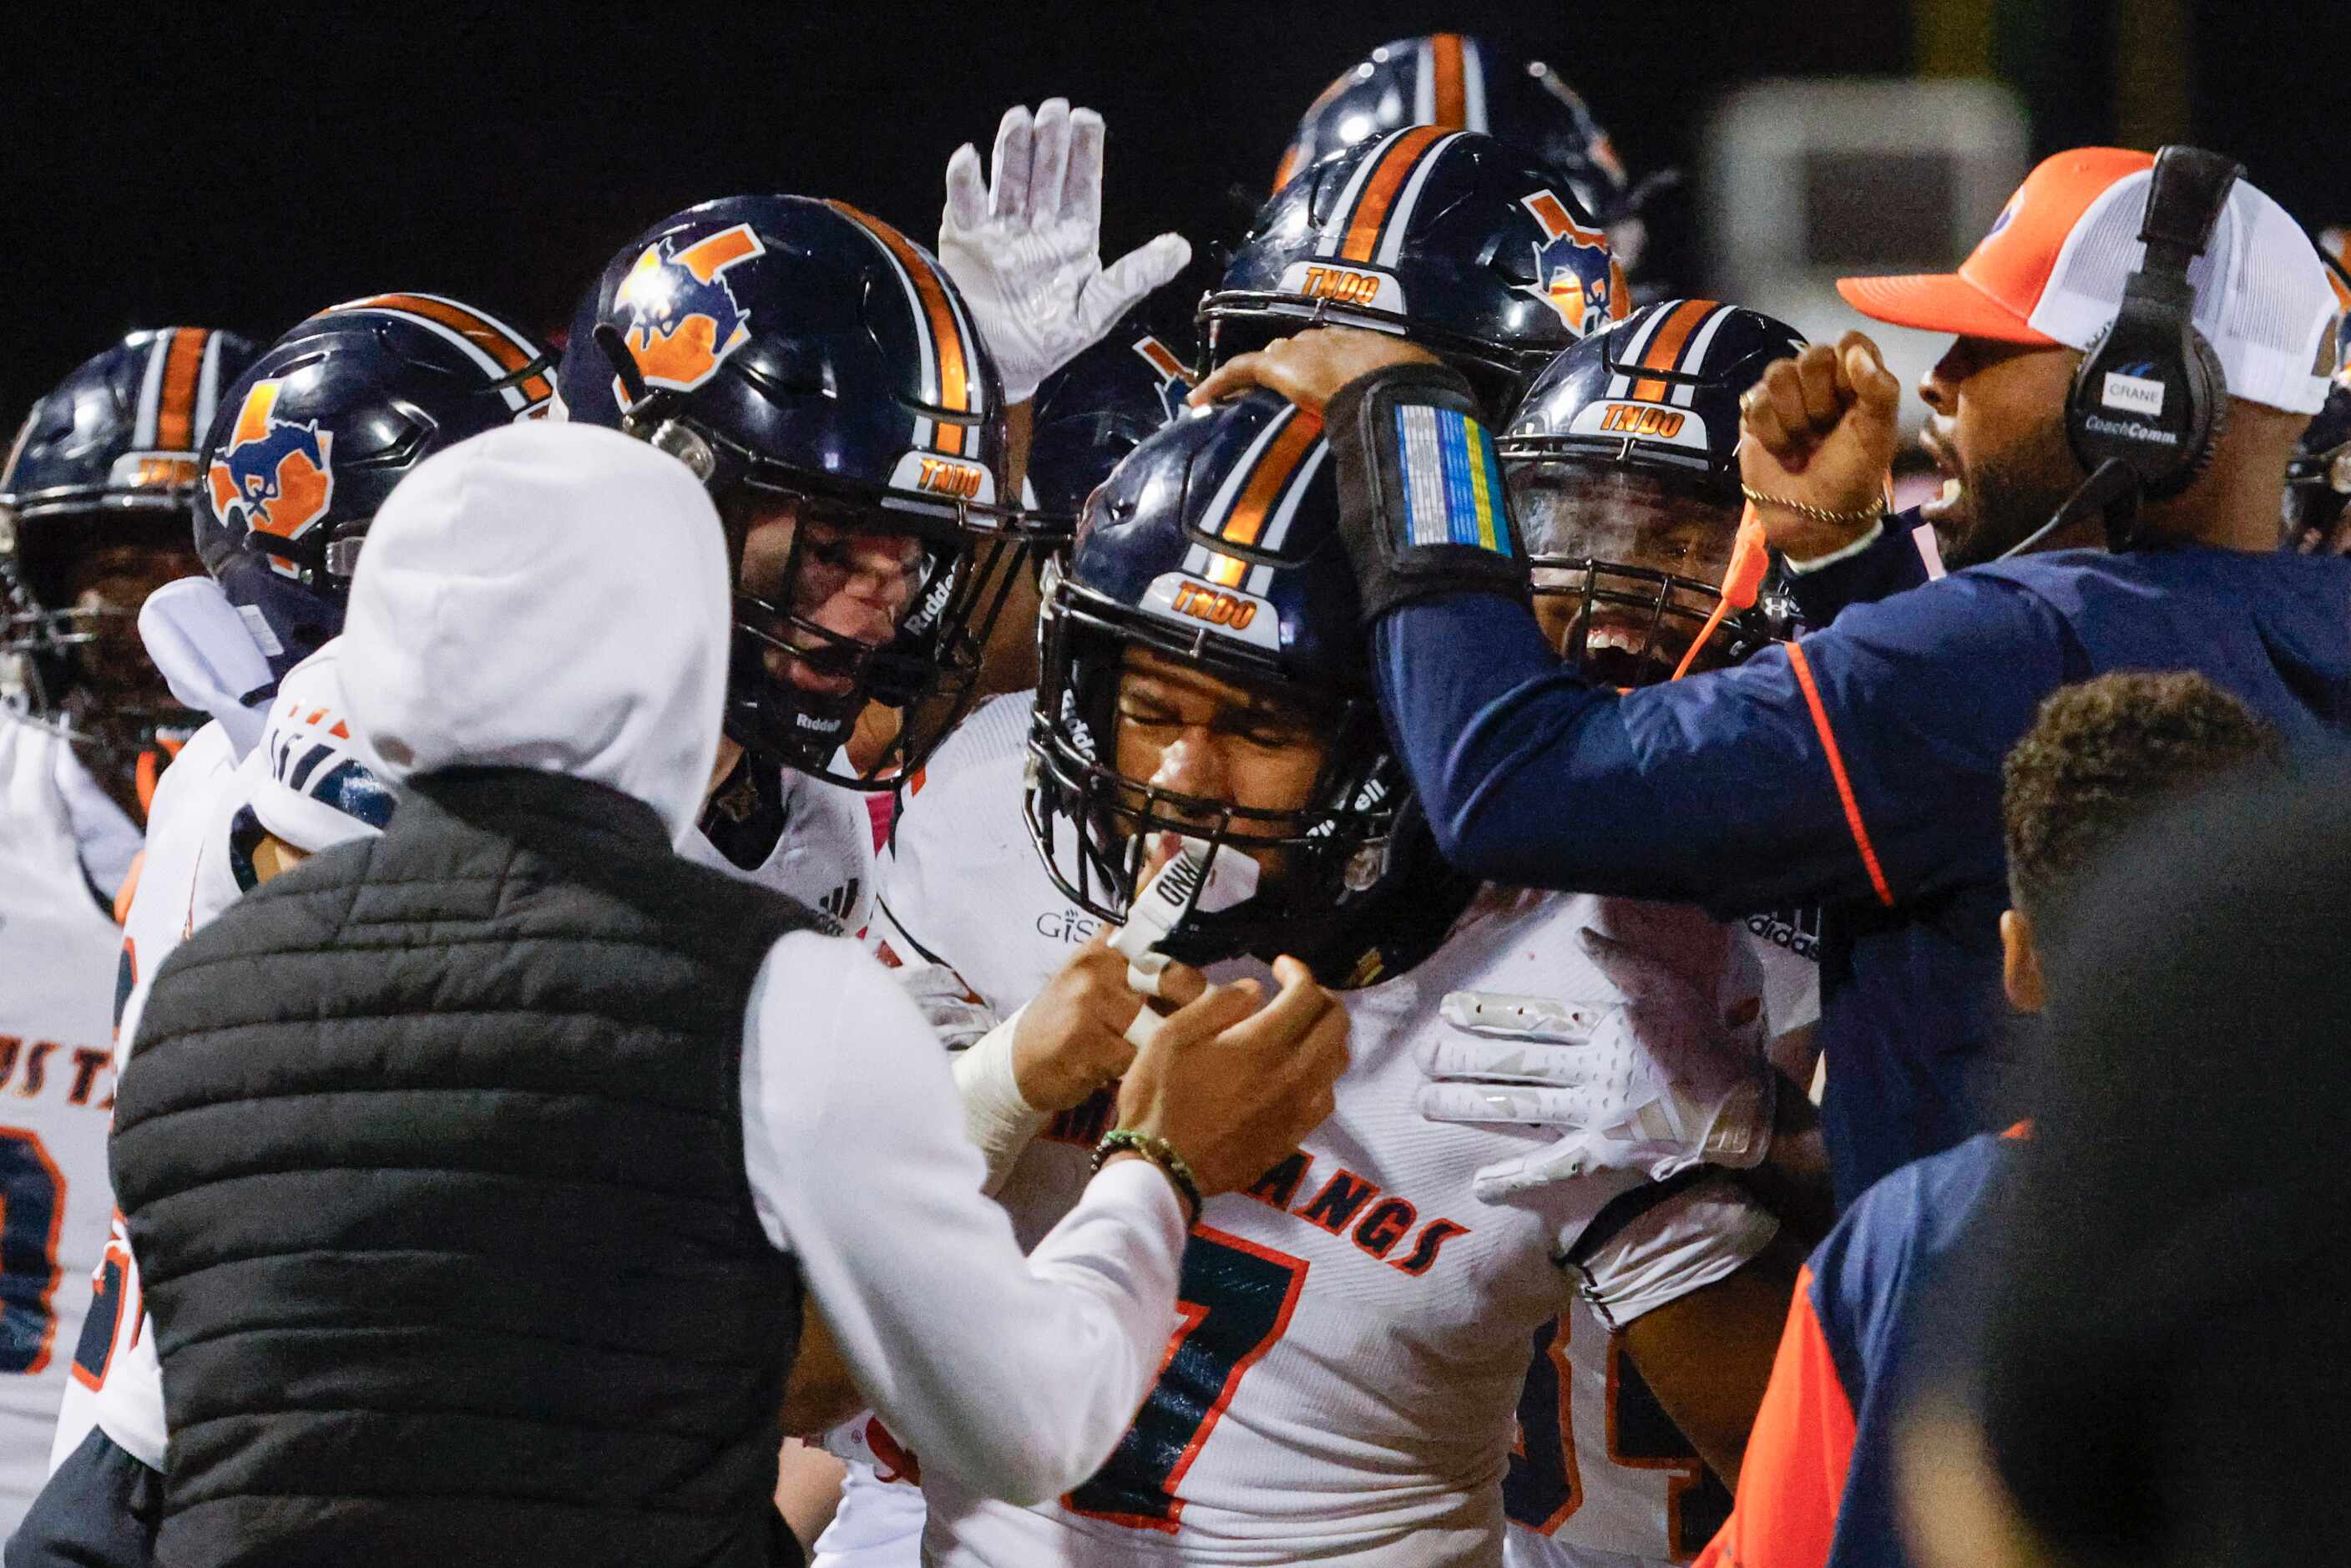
(1421, 502)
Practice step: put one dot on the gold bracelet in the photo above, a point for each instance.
(1818, 513)
(1160, 1153)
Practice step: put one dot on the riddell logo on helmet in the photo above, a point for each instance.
(1219, 608)
(278, 474)
(676, 311)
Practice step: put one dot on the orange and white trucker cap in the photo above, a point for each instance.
(2052, 267)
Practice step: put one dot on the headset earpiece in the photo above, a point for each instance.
(2150, 392)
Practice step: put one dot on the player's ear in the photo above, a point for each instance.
(2019, 962)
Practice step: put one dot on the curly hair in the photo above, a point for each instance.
(2100, 756)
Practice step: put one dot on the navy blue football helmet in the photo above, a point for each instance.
(1623, 470)
(109, 458)
(1098, 408)
(1215, 544)
(1451, 239)
(805, 359)
(1466, 84)
(313, 438)
(2318, 474)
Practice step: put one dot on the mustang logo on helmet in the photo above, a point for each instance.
(1574, 274)
(680, 318)
(280, 475)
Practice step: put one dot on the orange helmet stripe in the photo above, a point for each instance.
(1665, 346)
(1162, 358)
(1451, 97)
(1245, 524)
(1381, 187)
(175, 414)
(946, 332)
(499, 343)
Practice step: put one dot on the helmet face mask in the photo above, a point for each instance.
(1623, 469)
(1627, 570)
(1101, 830)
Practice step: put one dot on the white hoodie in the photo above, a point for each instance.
(555, 597)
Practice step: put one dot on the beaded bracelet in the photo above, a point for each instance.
(1160, 1153)
(1818, 513)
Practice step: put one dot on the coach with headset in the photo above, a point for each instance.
(2141, 343)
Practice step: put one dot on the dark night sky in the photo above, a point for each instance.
(246, 172)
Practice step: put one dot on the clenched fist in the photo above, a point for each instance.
(1820, 429)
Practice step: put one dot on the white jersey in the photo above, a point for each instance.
(63, 846)
(1359, 1325)
(183, 881)
(794, 834)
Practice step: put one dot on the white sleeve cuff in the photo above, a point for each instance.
(997, 1118)
(1806, 568)
(1704, 1233)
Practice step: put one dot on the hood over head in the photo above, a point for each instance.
(548, 596)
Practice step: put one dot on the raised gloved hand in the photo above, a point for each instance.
(1657, 1083)
(1027, 251)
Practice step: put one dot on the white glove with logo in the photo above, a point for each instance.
(1657, 1083)
(1027, 253)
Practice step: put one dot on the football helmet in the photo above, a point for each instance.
(110, 456)
(1098, 408)
(315, 434)
(1466, 84)
(799, 354)
(1216, 544)
(2318, 474)
(1465, 246)
(1644, 418)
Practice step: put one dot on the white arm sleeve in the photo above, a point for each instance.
(1016, 1376)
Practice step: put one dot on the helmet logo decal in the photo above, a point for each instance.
(278, 474)
(1344, 286)
(1641, 419)
(949, 478)
(676, 312)
(1231, 612)
(1176, 378)
(1214, 606)
(942, 478)
(1574, 274)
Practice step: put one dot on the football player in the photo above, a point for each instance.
(304, 444)
(93, 517)
(1359, 1322)
(1088, 415)
(1622, 469)
(1460, 83)
(1448, 239)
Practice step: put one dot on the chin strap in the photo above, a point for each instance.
(1742, 583)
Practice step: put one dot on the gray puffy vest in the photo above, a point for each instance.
(432, 1155)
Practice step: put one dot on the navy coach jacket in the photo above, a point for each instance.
(1857, 768)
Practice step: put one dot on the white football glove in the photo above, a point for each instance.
(1027, 253)
(1657, 1083)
